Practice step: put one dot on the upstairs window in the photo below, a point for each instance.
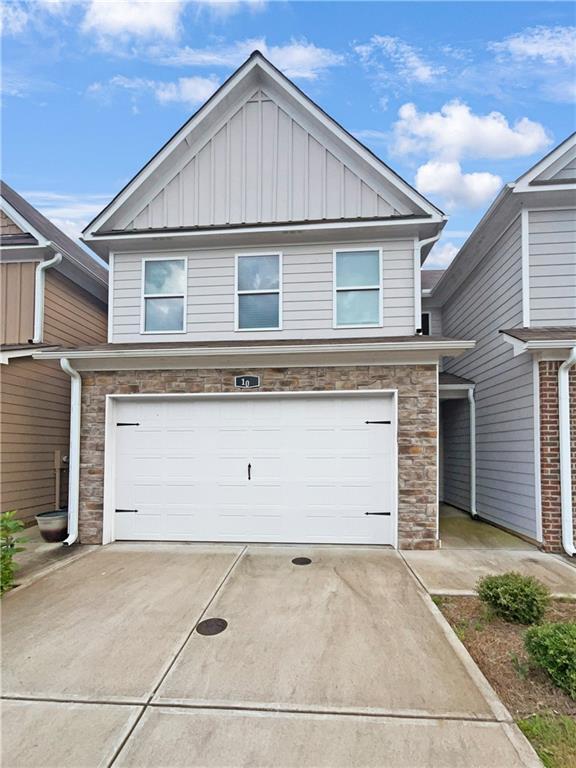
(258, 282)
(425, 324)
(357, 288)
(164, 296)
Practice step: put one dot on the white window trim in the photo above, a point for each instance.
(144, 296)
(238, 293)
(336, 290)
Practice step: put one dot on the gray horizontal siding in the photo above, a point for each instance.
(552, 249)
(435, 317)
(488, 300)
(455, 415)
(306, 296)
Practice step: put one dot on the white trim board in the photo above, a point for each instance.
(110, 434)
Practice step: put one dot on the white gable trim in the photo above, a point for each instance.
(258, 61)
(21, 222)
(548, 163)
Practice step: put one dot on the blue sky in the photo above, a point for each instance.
(458, 97)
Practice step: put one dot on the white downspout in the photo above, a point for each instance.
(39, 296)
(74, 456)
(472, 404)
(418, 245)
(565, 453)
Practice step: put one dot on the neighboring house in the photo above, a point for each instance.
(512, 288)
(263, 246)
(51, 293)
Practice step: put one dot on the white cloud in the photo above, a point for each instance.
(372, 136)
(69, 212)
(441, 256)
(455, 132)
(190, 91)
(551, 45)
(227, 7)
(297, 59)
(129, 19)
(446, 180)
(187, 90)
(13, 18)
(384, 51)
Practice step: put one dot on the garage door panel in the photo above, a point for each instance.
(316, 468)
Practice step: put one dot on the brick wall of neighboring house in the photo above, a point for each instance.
(417, 429)
(550, 453)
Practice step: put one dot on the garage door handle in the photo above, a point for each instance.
(249, 471)
(125, 510)
(377, 422)
(378, 513)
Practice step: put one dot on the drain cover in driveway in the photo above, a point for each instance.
(301, 561)
(211, 626)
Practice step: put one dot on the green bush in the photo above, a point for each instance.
(9, 546)
(515, 597)
(553, 647)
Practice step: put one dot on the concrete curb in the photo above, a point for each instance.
(86, 550)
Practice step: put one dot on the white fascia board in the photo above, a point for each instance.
(437, 347)
(546, 162)
(219, 232)
(5, 357)
(21, 222)
(540, 345)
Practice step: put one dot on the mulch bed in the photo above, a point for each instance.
(498, 648)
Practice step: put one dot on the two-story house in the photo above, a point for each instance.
(52, 293)
(508, 425)
(265, 378)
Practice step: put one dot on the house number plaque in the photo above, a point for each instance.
(247, 382)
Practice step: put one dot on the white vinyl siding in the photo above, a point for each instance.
(307, 294)
(491, 299)
(552, 249)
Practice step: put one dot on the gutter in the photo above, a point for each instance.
(74, 456)
(472, 404)
(565, 453)
(39, 295)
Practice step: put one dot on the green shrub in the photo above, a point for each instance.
(515, 597)
(9, 546)
(553, 647)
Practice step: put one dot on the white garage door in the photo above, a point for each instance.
(256, 468)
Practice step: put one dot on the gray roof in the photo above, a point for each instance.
(41, 224)
(429, 278)
(550, 333)
(160, 345)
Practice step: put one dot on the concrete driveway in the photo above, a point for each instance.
(341, 662)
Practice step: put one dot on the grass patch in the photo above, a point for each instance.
(553, 737)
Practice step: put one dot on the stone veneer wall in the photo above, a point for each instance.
(417, 429)
(550, 453)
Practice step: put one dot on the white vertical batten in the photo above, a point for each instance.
(565, 453)
(472, 407)
(537, 467)
(39, 284)
(525, 251)
(74, 451)
(110, 297)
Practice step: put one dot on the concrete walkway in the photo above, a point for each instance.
(40, 557)
(342, 662)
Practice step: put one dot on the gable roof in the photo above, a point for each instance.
(152, 200)
(548, 183)
(558, 167)
(38, 230)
